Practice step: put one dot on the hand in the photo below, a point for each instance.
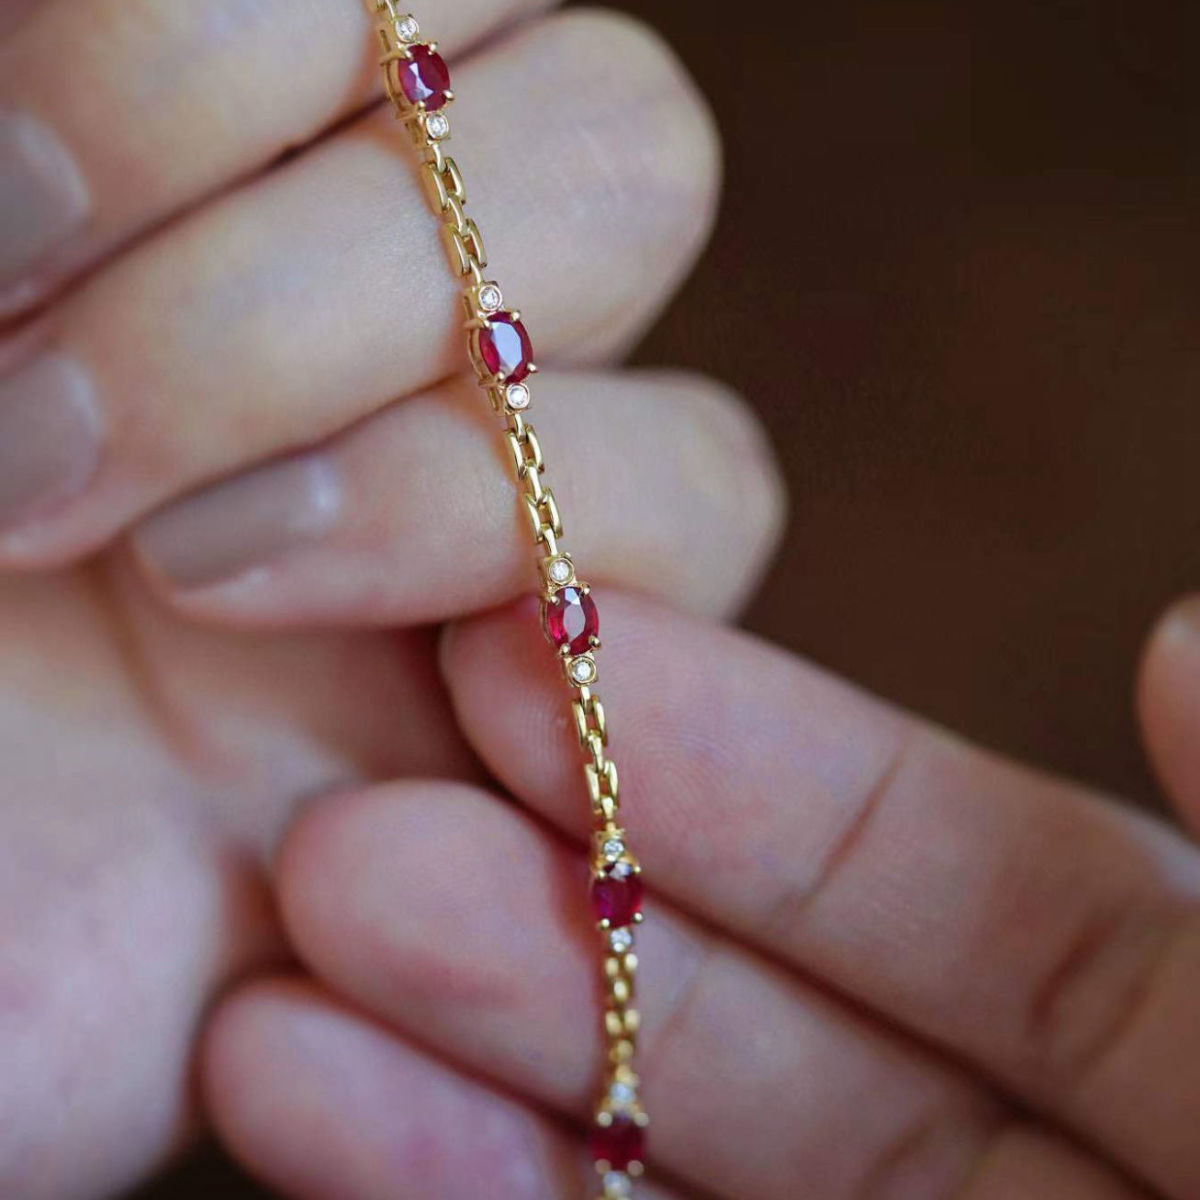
(280, 335)
(878, 963)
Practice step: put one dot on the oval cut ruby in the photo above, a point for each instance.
(505, 348)
(572, 620)
(617, 894)
(619, 1144)
(424, 78)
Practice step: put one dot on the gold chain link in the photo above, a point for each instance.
(619, 1109)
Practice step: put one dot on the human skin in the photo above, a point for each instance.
(244, 485)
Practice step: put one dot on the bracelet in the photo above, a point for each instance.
(418, 84)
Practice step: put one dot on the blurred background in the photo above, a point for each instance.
(956, 273)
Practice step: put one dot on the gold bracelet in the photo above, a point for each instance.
(418, 84)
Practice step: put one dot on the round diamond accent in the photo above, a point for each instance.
(617, 1185)
(560, 569)
(490, 298)
(407, 29)
(437, 126)
(621, 1095)
(621, 940)
(518, 397)
(613, 848)
(583, 670)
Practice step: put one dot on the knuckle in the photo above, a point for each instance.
(716, 454)
(784, 920)
(940, 1145)
(1103, 979)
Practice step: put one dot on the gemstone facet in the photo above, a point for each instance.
(619, 1143)
(572, 620)
(422, 78)
(504, 347)
(437, 126)
(617, 894)
(490, 298)
(517, 397)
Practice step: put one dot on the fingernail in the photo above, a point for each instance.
(43, 197)
(226, 530)
(50, 433)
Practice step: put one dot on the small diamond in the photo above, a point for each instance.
(583, 670)
(621, 1095)
(560, 569)
(490, 298)
(407, 29)
(617, 1185)
(437, 126)
(517, 395)
(613, 848)
(621, 940)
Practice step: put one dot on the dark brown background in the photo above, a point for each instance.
(955, 271)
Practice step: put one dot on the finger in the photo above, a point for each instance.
(411, 516)
(456, 918)
(1047, 935)
(120, 112)
(1169, 703)
(324, 1104)
(300, 303)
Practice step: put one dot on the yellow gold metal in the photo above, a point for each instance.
(443, 184)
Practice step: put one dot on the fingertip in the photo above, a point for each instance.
(371, 877)
(762, 492)
(320, 1101)
(313, 859)
(1168, 703)
(682, 145)
(233, 1047)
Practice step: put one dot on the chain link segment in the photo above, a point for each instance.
(447, 196)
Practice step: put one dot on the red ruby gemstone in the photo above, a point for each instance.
(505, 348)
(617, 894)
(423, 78)
(572, 620)
(618, 1144)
